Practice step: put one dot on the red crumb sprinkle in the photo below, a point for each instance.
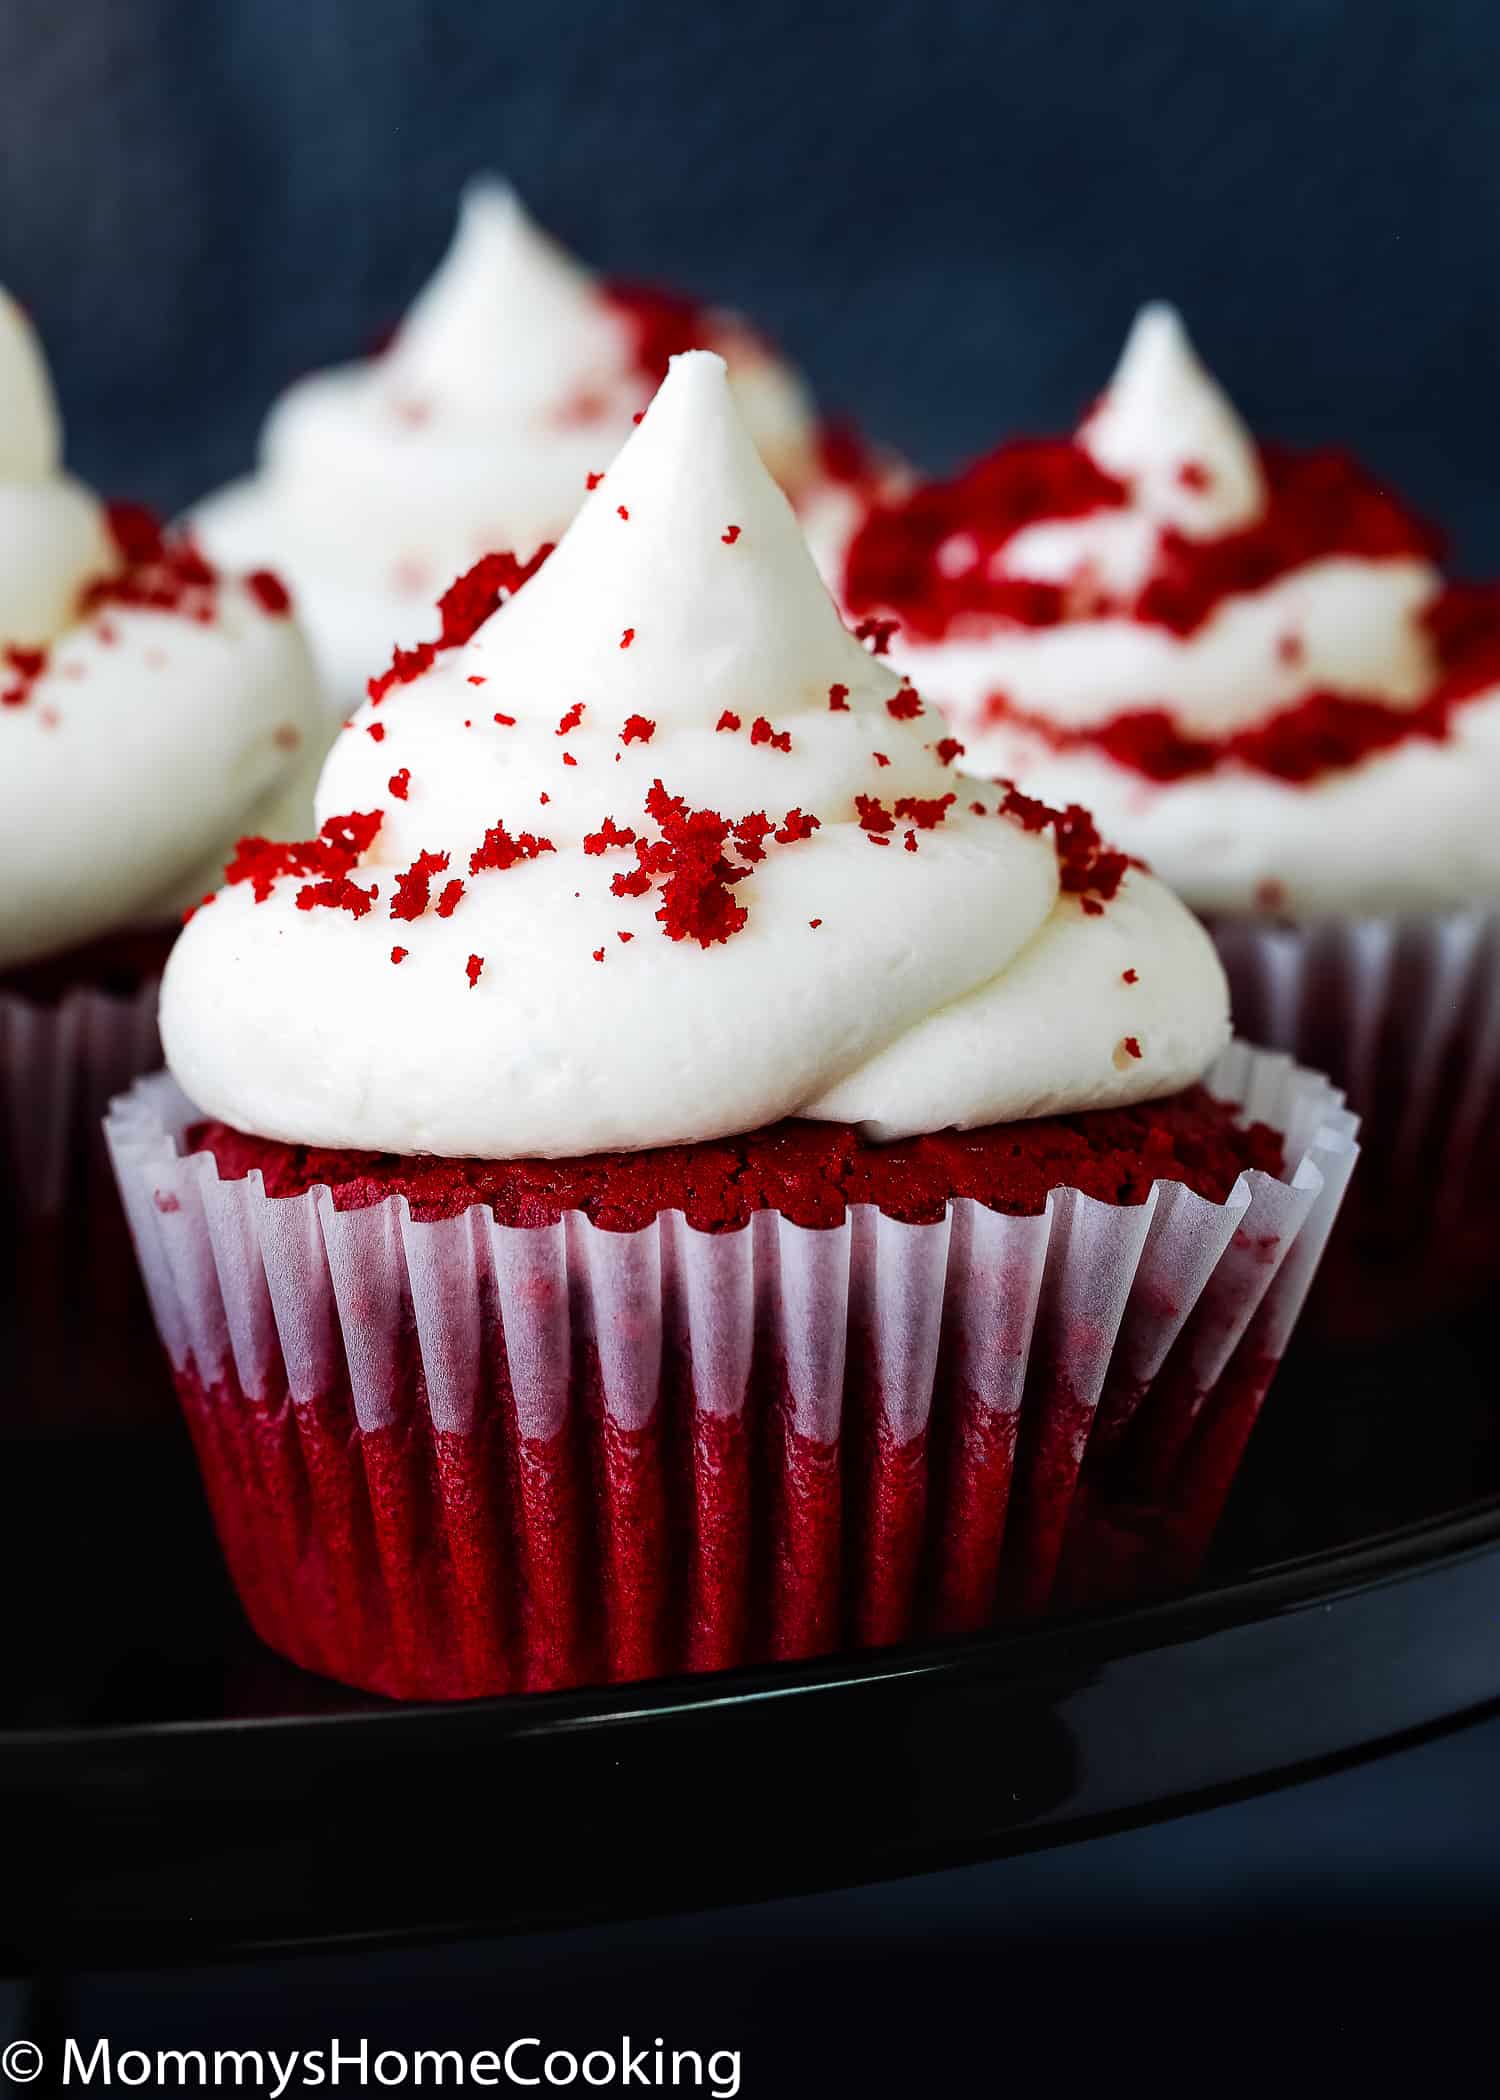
(448, 900)
(1193, 474)
(730, 535)
(331, 855)
(161, 571)
(1318, 504)
(598, 955)
(880, 758)
(761, 732)
(500, 850)
(400, 783)
(194, 909)
(815, 924)
(594, 481)
(269, 592)
(337, 893)
(727, 720)
(638, 729)
(609, 834)
(796, 825)
(627, 638)
(624, 936)
(570, 720)
(569, 759)
(906, 705)
(414, 885)
(1132, 1046)
(375, 731)
(874, 818)
(544, 798)
(1087, 868)
(1129, 977)
(463, 609)
(838, 699)
(621, 511)
(976, 809)
(25, 667)
(877, 633)
(506, 721)
(398, 955)
(472, 969)
(911, 842)
(476, 678)
(925, 811)
(947, 749)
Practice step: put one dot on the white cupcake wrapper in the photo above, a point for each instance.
(76, 1347)
(1405, 1014)
(60, 1066)
(1040, 1320)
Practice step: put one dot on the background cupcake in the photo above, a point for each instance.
(151, 708)
(1247, 661)
(598, 1234)
(514, 378)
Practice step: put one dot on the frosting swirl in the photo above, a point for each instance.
(1246, 660)
(659, 853)
(149, 708)
(514, 376)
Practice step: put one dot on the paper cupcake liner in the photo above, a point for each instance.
(461, 1457)
(76, 1343)
(1404, 1014)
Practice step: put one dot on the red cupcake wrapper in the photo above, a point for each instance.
(456, 1458)
(1405, 1016)
(76, 1342)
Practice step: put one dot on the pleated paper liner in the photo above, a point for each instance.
(1404, 1014)
(457, 1458)
(76, 1341)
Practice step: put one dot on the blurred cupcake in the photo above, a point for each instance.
(670, 1175)
(1247, 661)
(151, 710)
(512, 382)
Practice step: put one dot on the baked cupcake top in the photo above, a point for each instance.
(659, 851)
(515, 375)
(151, 708)
(1245, 658)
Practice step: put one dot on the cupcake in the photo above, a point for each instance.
(513, 380)
(151, 710)
(671, 1174)
(1247, 661)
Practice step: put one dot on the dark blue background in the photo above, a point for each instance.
(946, 208)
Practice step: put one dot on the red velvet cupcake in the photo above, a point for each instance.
(148, 707)
(664, 1180)
(1249, 663)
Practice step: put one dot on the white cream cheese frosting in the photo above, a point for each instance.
(911, 960)
(137, 739)
(515, 375)
(1404, 826)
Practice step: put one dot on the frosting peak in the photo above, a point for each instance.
(1165, 426)
(502, 327)
(30, 428)
(687, 545)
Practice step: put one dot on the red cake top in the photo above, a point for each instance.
(809, 1172)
